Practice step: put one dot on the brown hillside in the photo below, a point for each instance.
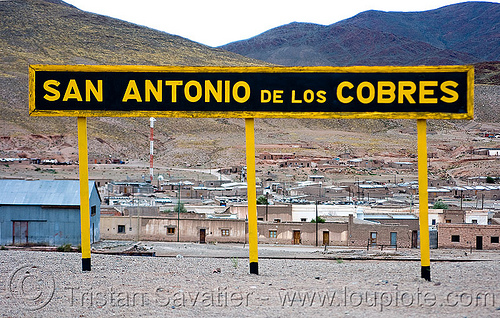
(52, 32)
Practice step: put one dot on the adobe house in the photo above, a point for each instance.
(168, 228)
(294, 163)
(303, 233)
(274, 213)
(407, 219)
(371, 191)
(452, 216)
(469, 236)
(363, 233)
(437, 216)
(130, 188)
(45, 212)
(8, 161)
(276, 156)
(231, 170)
(280, 212)
(455, 216)
(189, 228)
(402, 165)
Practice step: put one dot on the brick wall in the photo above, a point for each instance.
(284, 232)
(359, 233)
(468, 235)
(349, 233)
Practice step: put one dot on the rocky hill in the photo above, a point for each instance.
(53, 32)
(463, 33)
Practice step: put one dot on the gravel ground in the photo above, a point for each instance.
(218, 283)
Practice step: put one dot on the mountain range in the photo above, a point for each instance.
(53, 32)
(463, 33)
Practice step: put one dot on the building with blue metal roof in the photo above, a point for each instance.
(45, 212)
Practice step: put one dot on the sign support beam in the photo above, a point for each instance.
(388, 92)
(251, 196)
(83, 166)
(423, 199)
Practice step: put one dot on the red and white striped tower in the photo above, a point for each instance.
(151, 125)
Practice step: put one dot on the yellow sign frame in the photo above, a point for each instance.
(469, 70)
(249, 116)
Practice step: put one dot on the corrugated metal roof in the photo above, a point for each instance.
(377, 216)
(437, 190)
(394, 216)
(41, 192)
(404, 217)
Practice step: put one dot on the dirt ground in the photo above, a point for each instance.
(193, 280)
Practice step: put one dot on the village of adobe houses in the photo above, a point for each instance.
(344, 225)
(355, 214)
(362, 212)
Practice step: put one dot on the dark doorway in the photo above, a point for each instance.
(296, 237)
(479, 242)
(326, 238)
(203, 234)
(373, 238)
(19, 232)
(414, 239)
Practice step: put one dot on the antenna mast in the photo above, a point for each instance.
(151, 125)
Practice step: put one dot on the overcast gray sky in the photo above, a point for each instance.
(218, 22)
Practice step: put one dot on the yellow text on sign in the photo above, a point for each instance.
(193, 91)
(386, 92)
(72, 91)
(308, 96)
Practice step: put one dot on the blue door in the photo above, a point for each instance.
(394, 238)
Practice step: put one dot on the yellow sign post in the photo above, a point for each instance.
(83, 167)
(423, 199)
(251, 196)
(420, 92)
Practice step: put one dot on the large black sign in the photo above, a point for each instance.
(274, 92)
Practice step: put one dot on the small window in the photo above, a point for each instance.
(494, 239)
(224, 232)
(93, 210)
(474, 221)
(121, 228)
(433, 221)
(277, 220)
(260, 219)
(170, 230)
(455, 238)
(273, 233)
(303, 220)
(448, 221)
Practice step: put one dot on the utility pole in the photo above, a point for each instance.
(267, 206)
(461, 199)
(178, 214)
(316, 222)
(151, 126)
